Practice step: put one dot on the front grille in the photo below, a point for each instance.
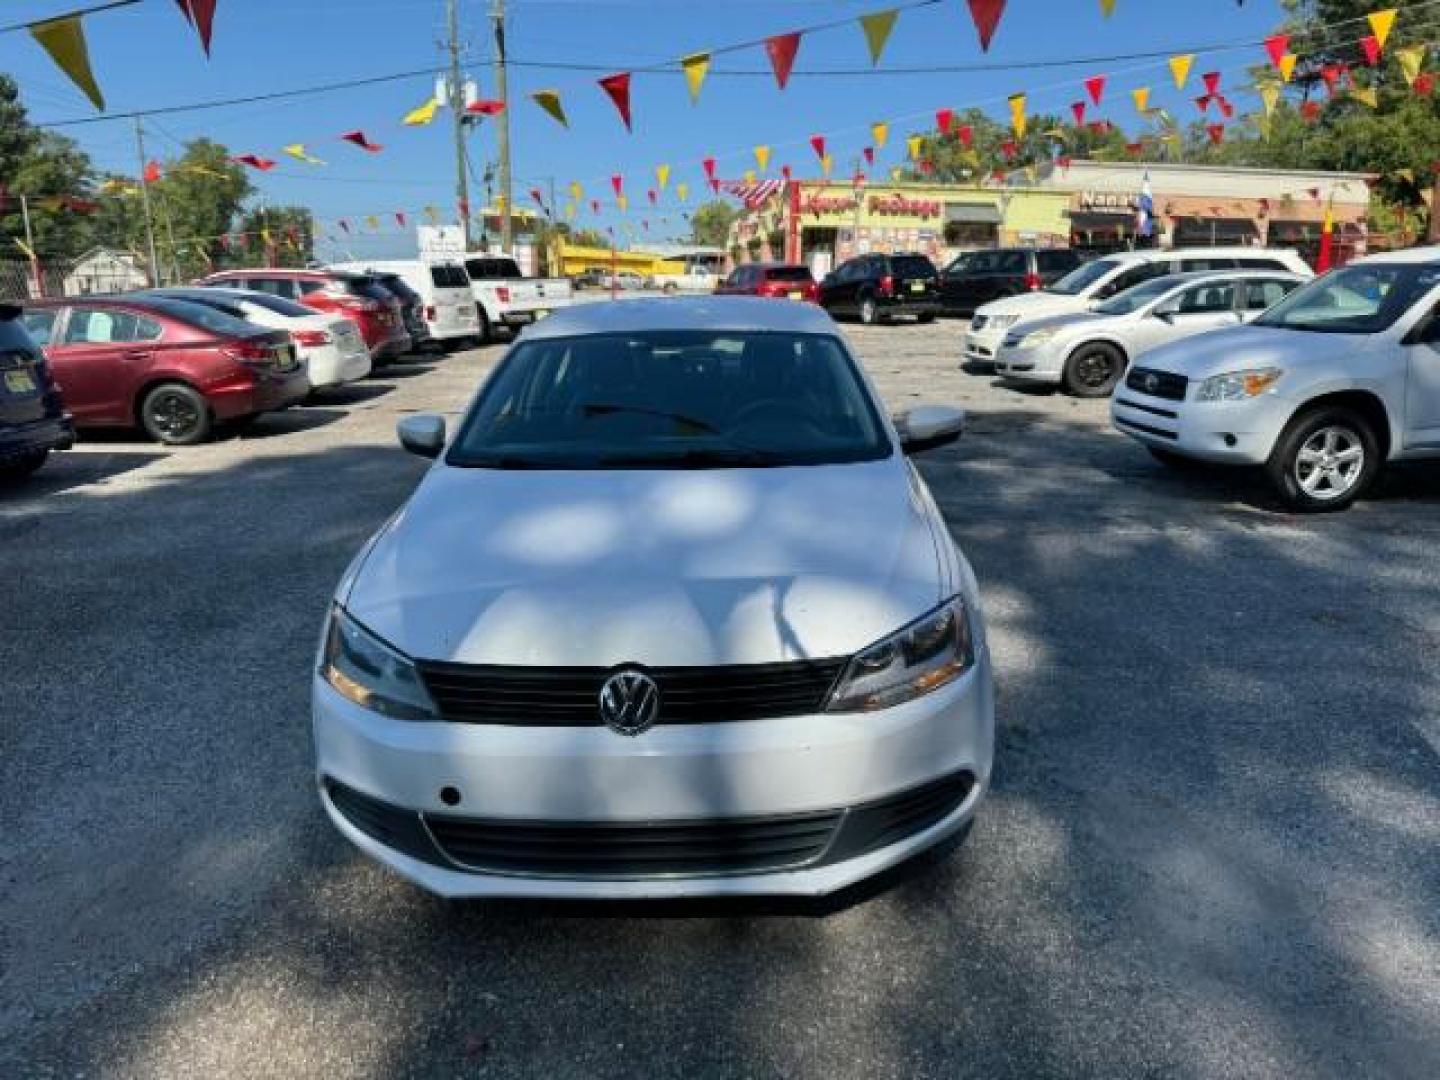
(569, 697)
(649, 849)
(645, 849)
(1161, 384)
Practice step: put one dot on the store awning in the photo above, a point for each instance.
(972, 213)
(1086, 220)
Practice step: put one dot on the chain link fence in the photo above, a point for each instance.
(97, 272)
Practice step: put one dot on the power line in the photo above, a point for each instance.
(93, 9)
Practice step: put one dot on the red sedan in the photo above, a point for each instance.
(377, 311)
(173, 368)
(784, 281)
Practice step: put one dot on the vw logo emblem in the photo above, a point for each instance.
(629, 702)
(1151, 383)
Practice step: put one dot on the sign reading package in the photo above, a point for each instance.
(902, 206)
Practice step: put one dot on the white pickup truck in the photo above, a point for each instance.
(505, 297)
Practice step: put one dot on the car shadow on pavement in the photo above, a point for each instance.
(74, 468)
(355, 393)
(1208, 851)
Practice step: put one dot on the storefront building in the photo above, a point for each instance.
(1203, 205)
(823, 224)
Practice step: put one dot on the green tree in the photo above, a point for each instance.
(593, 238)
(278, 236)
(711, 221)
(53, 173)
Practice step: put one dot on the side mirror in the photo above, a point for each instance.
(929, 427)
(422, 434)
(1166, 316)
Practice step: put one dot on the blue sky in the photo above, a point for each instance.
(147, 56)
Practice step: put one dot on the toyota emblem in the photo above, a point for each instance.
(1151, 384)
(629, 702)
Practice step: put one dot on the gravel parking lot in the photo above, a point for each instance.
(1213, 848)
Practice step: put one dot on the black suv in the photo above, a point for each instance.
(877, 287)
(981, 276)
(32, 420)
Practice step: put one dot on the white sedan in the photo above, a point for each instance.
(1087, 352)
(330, 345)
(671, 614)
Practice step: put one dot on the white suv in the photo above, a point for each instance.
(1336, 379)
(1101, 279)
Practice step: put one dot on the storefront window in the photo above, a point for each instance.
(1215, 232)
(971, 234)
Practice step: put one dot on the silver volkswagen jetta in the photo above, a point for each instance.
(671, 614)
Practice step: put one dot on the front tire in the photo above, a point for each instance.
(1324, 460)
(176, 415)
(1093, 370)
(19, 468)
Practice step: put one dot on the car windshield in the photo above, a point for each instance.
(1082, 277)
(1362, 299)
(911, 266)
(1135, 298)
(674, 399)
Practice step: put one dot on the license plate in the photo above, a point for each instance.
(917, 286)
(797, 296)
(19, 382)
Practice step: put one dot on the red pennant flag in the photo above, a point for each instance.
(1277, 45)
(1134, 148)
(1008, 148)
(1226, 109)
(400, 218)
(943, 119)
(967, 136)
(1078, 108)
(986, 14)
(152, 172)
(1095, 86)
(653, 197)
(594, 206)
(1371, 44)
(785, 172)
(201, 15)
(1331, 74)
(358, 138)
(617, 183)
(1424, 84)
(486, 107)
(539, 200)
(1310, 111)
(1099, 127)
(255, 161)
(927, 166)
(782, 49)
(1216, 132)
(1212, 81)
(464, 207)
(1203, 101)
(709, 166)
(869, 153)
(997, 175)
(618, 87)
(817, 143)
(1063, 162)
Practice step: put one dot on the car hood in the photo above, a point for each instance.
(1069, 320)
(1241, 347)
(655, 567)
(1032, 305)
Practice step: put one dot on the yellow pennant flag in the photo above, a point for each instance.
(576, 191)
(266, 237)
(1141, 94)
(762, 157)
(1269, 97)
(1017, 114)
(1365, 95)
(826, 164)
(682, 191)
(570, 211)
(372, 222)
(1381, 23)
(662, 175)
(549, 100)
(1287, 66)
(895, 174)
(64, 40)
(1408, 175)
(880, 133)
(1032, 174)
(1180, 69)
(749, 176)
(297, 151)
(1412, 58)
(1107, 8)
(622, 201)
(424, 114)
(877, 27)
(914, 142)
(696, 66)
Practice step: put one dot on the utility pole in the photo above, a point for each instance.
(457, 116)
(145, 203)
(502, 129)
(37, 283)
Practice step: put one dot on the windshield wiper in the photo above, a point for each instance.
(698, 459)
(603, 409)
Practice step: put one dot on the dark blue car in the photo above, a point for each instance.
(33, 420)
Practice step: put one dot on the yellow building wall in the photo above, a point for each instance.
(572, 259)
(1040, 212)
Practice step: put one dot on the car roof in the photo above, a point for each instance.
(1231, 252)
(740, 313)
(1425, 254)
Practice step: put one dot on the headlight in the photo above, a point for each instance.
(1003, 321)
(365, 670)
(1238, 385)
(924, 656)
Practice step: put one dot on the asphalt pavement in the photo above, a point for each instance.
(1212, 850)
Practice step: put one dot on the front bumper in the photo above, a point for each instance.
(1234, 433)
(981, 345)
(700, 777)
(1037, 365)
